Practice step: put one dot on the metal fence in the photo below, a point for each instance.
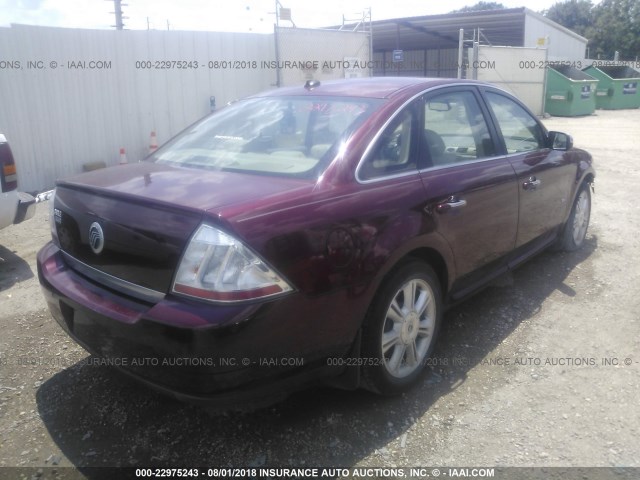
(418, 63)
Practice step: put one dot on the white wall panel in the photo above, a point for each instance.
(518, 70)
(329, 49)
(57, 119)
(561, 43)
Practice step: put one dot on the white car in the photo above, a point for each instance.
(15, 206)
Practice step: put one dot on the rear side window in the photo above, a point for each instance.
(455, 129)
(394, 152)
(520, 130)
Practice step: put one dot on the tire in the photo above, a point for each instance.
(575, 230)
(401, 328)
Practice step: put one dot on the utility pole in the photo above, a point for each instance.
(117, 5)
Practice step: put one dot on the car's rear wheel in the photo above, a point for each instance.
(575, 230)
(401, 329)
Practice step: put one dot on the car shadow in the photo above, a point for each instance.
(13, 269)
(99, 417)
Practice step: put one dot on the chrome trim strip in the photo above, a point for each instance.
(389, 177)
(128, 288)
(457, 164)
(527, 152)
(392, 117)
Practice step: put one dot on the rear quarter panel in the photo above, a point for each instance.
(585, 171)
(340, 239)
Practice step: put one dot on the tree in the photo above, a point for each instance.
(617, 27)
(481, 6)
(576, 15)
(612, 25)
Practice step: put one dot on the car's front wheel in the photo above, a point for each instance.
(575, 230)
(401, 328)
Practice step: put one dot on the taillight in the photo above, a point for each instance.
(216, 266)
(8, 174)
(55, 216)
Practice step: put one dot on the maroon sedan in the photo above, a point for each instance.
(309, 234)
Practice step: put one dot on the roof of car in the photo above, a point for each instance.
(373, 87)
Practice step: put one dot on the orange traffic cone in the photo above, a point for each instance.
(153, 142)
(123, 157)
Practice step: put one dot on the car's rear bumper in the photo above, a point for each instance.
(239, 356)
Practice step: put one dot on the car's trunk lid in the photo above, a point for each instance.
(127, 226)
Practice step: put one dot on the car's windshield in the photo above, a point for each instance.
(292, 136)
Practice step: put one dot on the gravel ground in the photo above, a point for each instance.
(531, 372)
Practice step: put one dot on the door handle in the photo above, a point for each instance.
(531, 184)
(450, 203)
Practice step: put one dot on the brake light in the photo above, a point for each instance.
(216, 266)
(55, 217)
(8, 174)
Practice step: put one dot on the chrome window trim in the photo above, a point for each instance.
(389, 177)
(526, 152)
(378, 134)
(478, 160)
(115, 283)
(467, 162)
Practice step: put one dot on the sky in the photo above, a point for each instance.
(218, 15)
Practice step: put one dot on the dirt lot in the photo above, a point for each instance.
(523, 379)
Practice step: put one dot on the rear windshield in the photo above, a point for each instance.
(284, 136)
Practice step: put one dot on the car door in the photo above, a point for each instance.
(471, 189)
(544, 175)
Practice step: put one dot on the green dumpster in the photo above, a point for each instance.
(569, 92)
(617, 87)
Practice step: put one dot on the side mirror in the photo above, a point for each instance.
(560, 141)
